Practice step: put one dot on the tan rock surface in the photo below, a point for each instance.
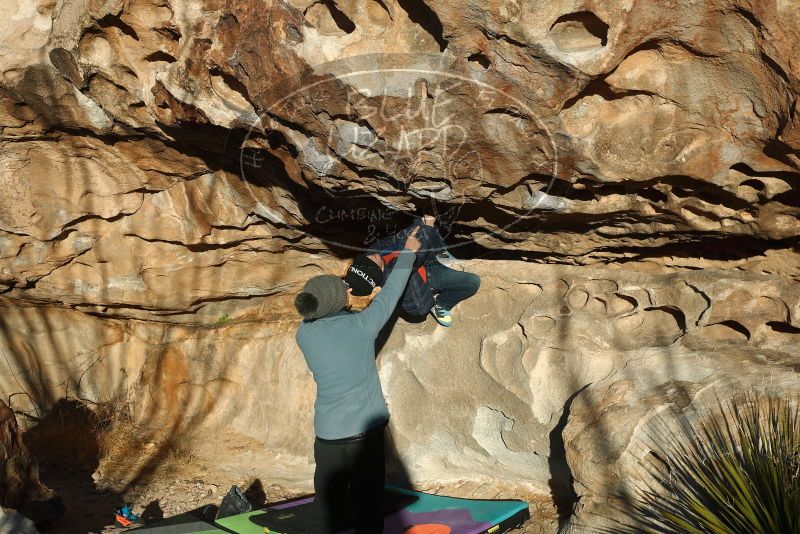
(671, 127)
(549, 370)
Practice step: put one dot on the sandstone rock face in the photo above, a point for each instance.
(596, 132)
(547, 384)
(171, 172)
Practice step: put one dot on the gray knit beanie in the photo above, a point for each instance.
(321, 296)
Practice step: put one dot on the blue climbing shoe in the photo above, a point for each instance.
(442, 315)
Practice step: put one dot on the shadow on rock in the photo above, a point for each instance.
(65, 442)
(20, 486)
(152, 512)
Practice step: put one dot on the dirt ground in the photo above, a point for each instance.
(184, 478)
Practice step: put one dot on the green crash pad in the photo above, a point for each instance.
(180, 524)
(402, 509)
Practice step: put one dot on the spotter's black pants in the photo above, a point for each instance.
(348, 482)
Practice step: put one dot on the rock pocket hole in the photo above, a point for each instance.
(681, 192)
(653, 195)
(479, 61)
(328, 19)
(579, 31)
(421, 13)
(342, 21)
(789, 198)
(229, 85)
(783, 328)
(734, 328)
(385, 7)
(111, 21)
(582, 190)
(758, 185)
(160, 55)
(676, 313)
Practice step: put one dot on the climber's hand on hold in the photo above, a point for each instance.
(412, 243)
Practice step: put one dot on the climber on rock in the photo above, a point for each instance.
(433, 287)
(350, 412)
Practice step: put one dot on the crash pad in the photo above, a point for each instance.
(403, 509)
(405, 512)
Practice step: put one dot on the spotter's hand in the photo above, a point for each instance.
(412, 243)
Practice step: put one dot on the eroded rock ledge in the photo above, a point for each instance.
(223, 130)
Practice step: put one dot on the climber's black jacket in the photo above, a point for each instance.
(417, 298)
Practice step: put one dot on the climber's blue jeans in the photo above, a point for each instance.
(450, 286)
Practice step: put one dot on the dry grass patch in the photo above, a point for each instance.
(130, 452)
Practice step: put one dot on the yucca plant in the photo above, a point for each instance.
(737, 472)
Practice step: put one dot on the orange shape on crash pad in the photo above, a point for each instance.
(428, 529)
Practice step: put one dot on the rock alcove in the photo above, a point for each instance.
(579, 31)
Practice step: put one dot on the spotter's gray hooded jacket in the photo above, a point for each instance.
(340, 351)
